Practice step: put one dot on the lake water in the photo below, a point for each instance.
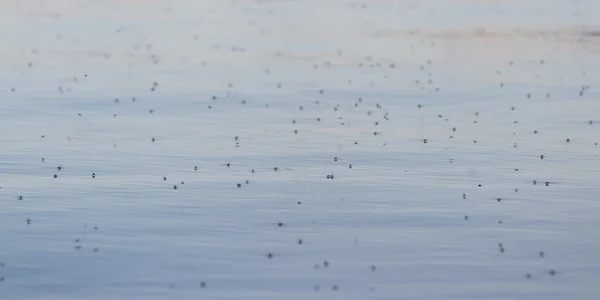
(299, 149)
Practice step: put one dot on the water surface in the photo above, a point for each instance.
(196, 142)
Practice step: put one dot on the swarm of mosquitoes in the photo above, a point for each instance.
(374, 110)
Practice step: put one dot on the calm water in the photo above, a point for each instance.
(193, 145)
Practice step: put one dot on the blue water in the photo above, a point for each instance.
(432, 129)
